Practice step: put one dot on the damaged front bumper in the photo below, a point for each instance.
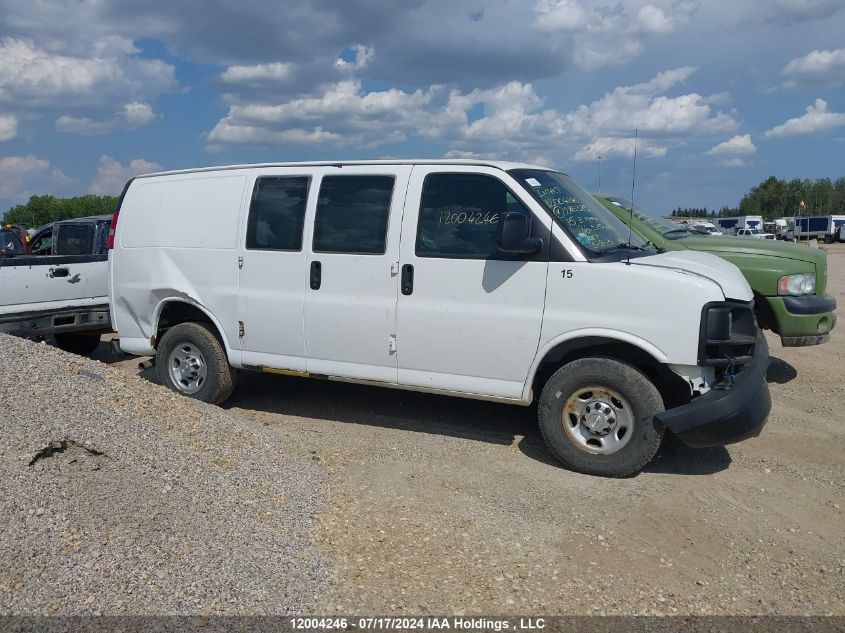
(729, 412)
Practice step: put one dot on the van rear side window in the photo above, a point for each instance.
(352, 214)
(277, 213)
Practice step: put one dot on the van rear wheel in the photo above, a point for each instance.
(192, 361)
(597, 417)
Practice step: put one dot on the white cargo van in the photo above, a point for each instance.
(492, 280)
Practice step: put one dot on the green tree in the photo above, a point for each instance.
(43, 209)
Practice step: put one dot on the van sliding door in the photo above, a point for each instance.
(353, 276)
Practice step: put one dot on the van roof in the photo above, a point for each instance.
(496, 164)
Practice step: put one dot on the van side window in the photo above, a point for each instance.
(277, 213)
(459, 216)
(352, 214)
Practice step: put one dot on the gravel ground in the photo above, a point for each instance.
(117, 496)
(443, 505)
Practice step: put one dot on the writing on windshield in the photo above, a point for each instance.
(578, 217)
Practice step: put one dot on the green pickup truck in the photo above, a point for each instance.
(788, 280)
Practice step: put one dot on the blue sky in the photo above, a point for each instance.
(724, 93)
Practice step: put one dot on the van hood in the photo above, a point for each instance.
(723, 273)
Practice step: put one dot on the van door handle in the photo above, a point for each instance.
(59, 272)
(407, 279)
(316, 275)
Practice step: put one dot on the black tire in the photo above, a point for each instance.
(82, 344)
(220, 379)
(828, 239)
(633, 386)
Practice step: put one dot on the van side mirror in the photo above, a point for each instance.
(513, 235)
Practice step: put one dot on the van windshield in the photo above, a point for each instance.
(583, 217)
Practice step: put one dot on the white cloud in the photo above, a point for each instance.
(133, 115)
(362, 56)
(507, 120)
(652, 19)
(738, 145)
(112, 176)
(643, 106)
(358, 118)
(564, 15)
(816, 67)
(618, 148)
(275, 71)
(36, 78)
(8, 127)
(83, 125)
(61, 178)
(817, 119)
(138, 114)
(610, 34)
(14, 171)
(735, 163)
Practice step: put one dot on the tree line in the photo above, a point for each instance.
(43, 209)
(777, 198)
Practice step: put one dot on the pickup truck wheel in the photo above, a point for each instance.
(191, 360)
(82, 344)
(597, 417)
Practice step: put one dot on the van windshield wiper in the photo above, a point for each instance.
(620, 246)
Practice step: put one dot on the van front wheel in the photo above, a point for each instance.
(191, 360)
(597, 417)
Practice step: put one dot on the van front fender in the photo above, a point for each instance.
(587, 337)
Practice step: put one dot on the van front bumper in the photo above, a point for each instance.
(726, 414)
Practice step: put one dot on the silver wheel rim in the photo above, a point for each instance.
(598, 420)
(188, 369)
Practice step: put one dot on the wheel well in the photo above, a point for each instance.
(176, 312)
(673, 389)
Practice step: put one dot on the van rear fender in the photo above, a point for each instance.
(174, 310)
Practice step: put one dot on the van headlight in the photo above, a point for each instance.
(803, 284)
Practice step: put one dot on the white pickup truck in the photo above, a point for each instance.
(61, 289)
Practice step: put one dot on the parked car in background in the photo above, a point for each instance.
(14, 240)
(789, 281)
(60, 288)
(491, 280)
(758, 234)
(706, 227)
